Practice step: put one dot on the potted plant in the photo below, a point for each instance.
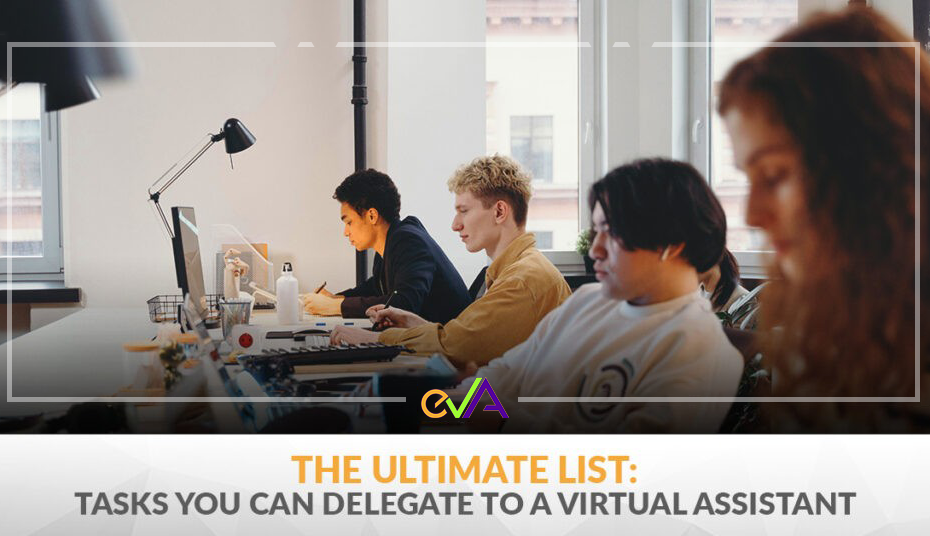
(582, 245)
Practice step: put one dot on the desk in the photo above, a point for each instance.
(26, 295)
(81, 357)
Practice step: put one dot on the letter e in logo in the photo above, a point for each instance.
(442, 397)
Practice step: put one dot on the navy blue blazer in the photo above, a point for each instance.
(415, 266)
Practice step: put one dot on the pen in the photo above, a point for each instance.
(387, 303)
(317, 291)
(380, 325)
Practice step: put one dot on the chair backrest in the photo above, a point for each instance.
(477, 286)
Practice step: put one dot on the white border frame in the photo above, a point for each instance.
(917, 156)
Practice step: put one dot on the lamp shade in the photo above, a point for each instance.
(59, 95)
(59, 21)
(236, 136)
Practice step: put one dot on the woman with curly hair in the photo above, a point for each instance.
(827, 135)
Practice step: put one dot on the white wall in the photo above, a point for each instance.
(295, 101)
(434, 116)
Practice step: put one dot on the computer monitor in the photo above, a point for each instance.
(187, 262)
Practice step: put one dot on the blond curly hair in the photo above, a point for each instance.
(495, 178)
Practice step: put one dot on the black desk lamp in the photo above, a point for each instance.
(237, 138)
(49, 25)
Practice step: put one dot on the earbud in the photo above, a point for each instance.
(664, 255)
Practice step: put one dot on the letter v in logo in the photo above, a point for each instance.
(457, 411)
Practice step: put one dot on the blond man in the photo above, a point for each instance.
(492, 197)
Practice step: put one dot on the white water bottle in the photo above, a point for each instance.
(286, 289)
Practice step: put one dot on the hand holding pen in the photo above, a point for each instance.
(382, 323)
(322, 302)
(322, 290)
(384, 317)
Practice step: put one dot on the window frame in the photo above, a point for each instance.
(49, 266)
(752, 263)
(592, 140)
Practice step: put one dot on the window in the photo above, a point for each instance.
(730, 21)
(540, 79)
(531, 144)
(29, 181)
(543, 239)
(736, 20)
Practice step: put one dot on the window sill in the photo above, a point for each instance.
(38, 292)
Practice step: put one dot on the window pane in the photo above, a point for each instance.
(531, 145)
(21, 190)
(755, 21)
(520, 126)
(532, 107)
(542, 126)
(543, 239)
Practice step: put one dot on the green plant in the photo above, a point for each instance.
(583, 244)
(171, 355)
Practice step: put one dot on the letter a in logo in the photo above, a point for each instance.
(495, 405)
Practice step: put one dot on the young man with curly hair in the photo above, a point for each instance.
(491, 201)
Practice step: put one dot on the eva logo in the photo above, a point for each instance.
(471, 401)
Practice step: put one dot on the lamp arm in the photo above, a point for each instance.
(154, 196)
(184, 168)
(154, 199)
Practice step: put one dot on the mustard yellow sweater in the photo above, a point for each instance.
(522, 287)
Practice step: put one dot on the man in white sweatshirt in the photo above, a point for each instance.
(642, 339)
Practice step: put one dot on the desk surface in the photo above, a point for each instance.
(262, 317)
(81, 356)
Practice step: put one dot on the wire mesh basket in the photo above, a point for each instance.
(165, 307)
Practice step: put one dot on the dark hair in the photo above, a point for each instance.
(851, 113)
(654, 203)
(367, 189)
(729, 278)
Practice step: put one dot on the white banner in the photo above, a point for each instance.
(476, 485)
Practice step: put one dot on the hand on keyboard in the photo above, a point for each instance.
(350, 335)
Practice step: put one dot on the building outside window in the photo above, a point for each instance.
(531, 144)
(533, 106)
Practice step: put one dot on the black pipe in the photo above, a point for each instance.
(359, 100)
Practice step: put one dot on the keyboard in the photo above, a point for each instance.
(328, 355)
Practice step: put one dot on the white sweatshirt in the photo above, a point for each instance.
(594, 346)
